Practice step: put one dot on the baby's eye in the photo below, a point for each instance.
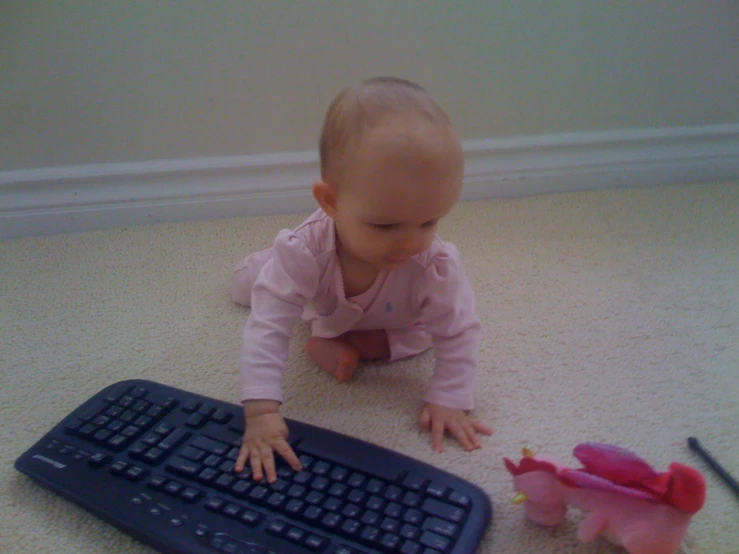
(384, 226)
(429, 224)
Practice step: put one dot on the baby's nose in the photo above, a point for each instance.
(411, 242)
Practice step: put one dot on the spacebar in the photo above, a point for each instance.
(356, 456)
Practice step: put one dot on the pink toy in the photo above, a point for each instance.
(623, 498)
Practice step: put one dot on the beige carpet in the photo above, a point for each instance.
(610, 316)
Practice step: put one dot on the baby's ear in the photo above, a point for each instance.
(326, 198)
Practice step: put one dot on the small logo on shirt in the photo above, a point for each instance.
(388, 307)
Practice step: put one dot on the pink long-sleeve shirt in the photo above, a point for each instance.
(304, 272)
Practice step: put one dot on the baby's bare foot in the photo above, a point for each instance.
(333, 355)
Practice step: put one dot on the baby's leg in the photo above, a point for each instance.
(245, 274)
(340, 356)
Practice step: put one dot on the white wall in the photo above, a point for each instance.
(85, 81)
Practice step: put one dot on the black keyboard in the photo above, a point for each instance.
(158, 462)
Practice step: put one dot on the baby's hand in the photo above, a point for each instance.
(464, 428)
(265, 432)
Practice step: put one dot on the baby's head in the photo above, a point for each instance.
(391, 167)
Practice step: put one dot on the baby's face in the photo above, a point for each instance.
(404, 177)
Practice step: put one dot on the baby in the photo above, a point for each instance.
(367, 269)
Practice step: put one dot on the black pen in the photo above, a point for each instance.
(725, 476)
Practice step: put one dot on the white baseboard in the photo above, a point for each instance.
(80, 198)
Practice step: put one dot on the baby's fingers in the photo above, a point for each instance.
(480, 427)
(437, 434)
(459, 432)
(268, 461)
(241, 460)
(256, 464)
(284, 450)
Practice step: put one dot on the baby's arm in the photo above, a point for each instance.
(448, 312)
(278, 298)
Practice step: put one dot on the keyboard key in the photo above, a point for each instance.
(343, 549)
(277, 527)
(409, 532)
(338, 490)
(209, 445)
(215, 504)
(411, 499)
(118, 467)
(370, 518)
(394, 510)
(302, 477)
(356, 496)
(413, 516)
(241, 487)
(351, 511)
(224, 481)
(157, 482)
(414, 482)
(98, 459)
(351, 527)
(432, 540)
(315, 497)
(258, 493)
(410, 547)
(375, 503)
(440, 527)
(339, 474)
(315, 543)
(321, 468)
(296, 491)
(331, 520)
(250, 517)
(221, 416)
(294, 506)
(435, 490)
(459, 499)
(206, 410)
(195, 421)
(208, 475)
(375, 486)
(173, 488)
(134, 473)
(371, 535)
(191, 495)
(390, 542)
(320, 483)
(174, 439)
(280, 485)
(442, 510)
(313, 513)
(191, 406)
(231, 510)
(390, 525)
(332, 504)
(295, 534)
(305, 460)
(276, 499)
(186, 468)
(194, 454)
(356, 480)
(393, 493)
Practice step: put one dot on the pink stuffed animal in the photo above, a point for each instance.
(623, 498)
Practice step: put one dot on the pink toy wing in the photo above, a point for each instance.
(582, 480)
(620, 466)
